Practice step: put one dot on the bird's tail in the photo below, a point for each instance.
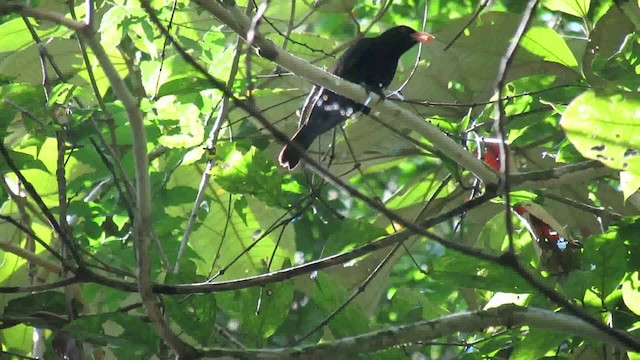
(290, 156)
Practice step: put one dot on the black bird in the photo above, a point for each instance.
(370, 62)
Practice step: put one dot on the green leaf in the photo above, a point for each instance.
(177, 195)
(221, 228)
(352, 233)
(578, 8)
(20, 38)
(463, 271)
(195, 314)
(241, 207)
(631, 293)
(606, 253)
(605, 128)
(568, 153)
(50, 301)
(473, 60)
(117, 329)
(176, 78)
(629, 183)
(537, 343)
(609, 32)
(329, 295)
(190, 129)
(546, 43)
(337, 6)
(251, 173)
(273, 301)
(22, 96)
(577, 283)
(111, 26)
(407, 301)
(23, 162)
(101, 79)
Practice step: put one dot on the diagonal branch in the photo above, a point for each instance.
(507, 316)
(505, 157)
(231, 16)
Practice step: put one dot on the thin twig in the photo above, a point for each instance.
(473, 18)
(211, 144)
(398, 91)
(599, 211)
(505, 157)
(250, 36)
(164, 49)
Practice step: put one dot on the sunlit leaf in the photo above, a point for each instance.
(546, 43)
(631, 293)
(605, 128)
(578, 8)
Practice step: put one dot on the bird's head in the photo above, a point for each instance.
(402, 38)
(406, 34)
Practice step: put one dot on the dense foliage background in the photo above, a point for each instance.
(249, 259)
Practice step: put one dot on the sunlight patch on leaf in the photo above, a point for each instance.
(546, 43)
(629, 183)
(631, 293)
(606, 128)
(577, 8)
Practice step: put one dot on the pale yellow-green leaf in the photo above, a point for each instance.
(546, 43)
(577, 8)
(629, 182)
(191, 127)
(102, 82)
(110, 29)
(193, 155)
(21, 38)
(606, 128)
(631, 293)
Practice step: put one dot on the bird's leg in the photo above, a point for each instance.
(371, 90)
(397, 94)
(332, 147)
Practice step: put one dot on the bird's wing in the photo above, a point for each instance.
(309, 104)
(335, 108)
(348, 64)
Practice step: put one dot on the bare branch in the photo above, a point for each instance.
(509, 316)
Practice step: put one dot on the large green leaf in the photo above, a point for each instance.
(329, 296)
(605, 128)
(252, 173)
(631, 293)
(127, 334)
(21, 38)
(220, 227)
(195, 314)
(265, 309)
(577, 8)
(17, 97)
(606, 254)
(546, 43)
(463, 271)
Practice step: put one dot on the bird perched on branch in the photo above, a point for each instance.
(370, 62)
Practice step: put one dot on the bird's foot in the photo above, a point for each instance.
(397, 94)
(370, 91)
